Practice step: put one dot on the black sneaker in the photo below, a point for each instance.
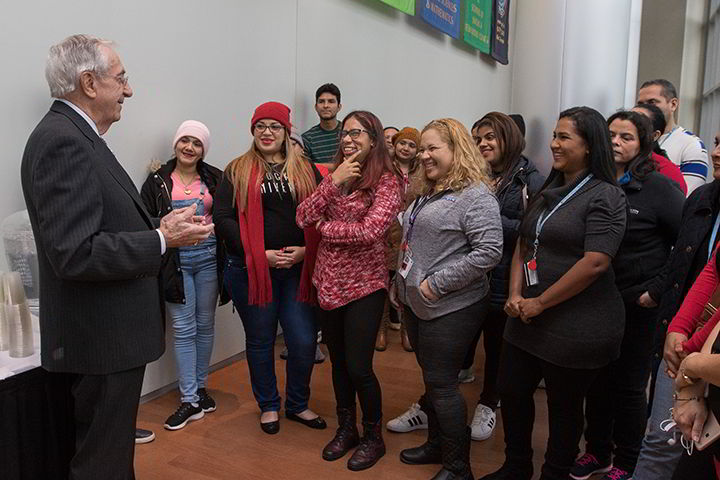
(143, 436)
(588, 465)
(185, 413)
(206, 401)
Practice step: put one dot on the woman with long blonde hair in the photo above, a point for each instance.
(452, 238)
(270, 262)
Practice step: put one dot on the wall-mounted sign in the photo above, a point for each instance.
(478, 20)
(407, 6)
(443, 15)
(501, 30)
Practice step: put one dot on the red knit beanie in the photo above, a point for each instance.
(274, 110)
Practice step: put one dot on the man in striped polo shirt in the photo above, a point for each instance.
(321, 141)
(683, 148)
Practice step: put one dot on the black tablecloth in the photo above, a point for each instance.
(36, 429)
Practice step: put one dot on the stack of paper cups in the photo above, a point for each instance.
(18, 316)
(4, 335)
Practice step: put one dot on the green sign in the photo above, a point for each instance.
(478, 20)
(407, 6)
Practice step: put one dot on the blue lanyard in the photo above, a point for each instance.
(542, 219)
(713, 235)
(418, 205)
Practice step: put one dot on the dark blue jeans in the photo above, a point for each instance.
(260, 323)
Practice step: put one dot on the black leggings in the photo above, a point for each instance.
(520, 374)
(492, 333)
(350, 332)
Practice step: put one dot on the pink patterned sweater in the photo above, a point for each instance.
(351, 256)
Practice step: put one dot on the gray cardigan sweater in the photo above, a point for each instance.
(456, 240)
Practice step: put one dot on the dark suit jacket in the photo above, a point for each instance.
(99, 256)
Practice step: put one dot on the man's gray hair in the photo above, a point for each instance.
(71, 57)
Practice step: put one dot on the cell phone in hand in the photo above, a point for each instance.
(710, 433)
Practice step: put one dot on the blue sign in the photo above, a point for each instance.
(443, 15)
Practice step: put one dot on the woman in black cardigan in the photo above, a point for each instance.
(616, 405)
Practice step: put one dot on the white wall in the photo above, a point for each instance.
(570, 53)
(216, 61)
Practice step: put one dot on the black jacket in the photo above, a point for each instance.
(510, 199)
(156, 194)
(655, 212)
(688, 257)
(98, 254)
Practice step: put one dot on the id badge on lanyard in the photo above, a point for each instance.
(530, 267)
(531, 275)
(407, 260)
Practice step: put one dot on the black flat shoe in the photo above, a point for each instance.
(271, 428)
(317, 423)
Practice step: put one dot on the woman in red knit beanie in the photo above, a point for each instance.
(270, 262)
(352, 209)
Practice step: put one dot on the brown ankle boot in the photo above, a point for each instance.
(346, 436)
(371, 448)
(381, 341)
(404, 338)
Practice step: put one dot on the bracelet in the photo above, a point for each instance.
(691, 399)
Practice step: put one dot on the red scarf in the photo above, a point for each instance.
(252, 234)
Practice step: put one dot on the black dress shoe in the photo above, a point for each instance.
(271, 428)
(317, 423)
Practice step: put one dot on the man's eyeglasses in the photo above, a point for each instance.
(354, 133)
(122, 79)
(261, 127)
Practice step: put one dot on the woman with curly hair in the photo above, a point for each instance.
(452, 238)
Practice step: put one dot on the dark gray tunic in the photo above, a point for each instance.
(586, 330)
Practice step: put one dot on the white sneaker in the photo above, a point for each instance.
(483, 423)
(466, 375)
(413, 419)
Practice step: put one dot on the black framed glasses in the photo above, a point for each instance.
(354, 133)
(261, 127)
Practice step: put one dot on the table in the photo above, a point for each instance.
(36, 430)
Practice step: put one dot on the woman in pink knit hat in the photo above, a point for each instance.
(190, 274)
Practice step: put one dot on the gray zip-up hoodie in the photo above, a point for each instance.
(456, 240)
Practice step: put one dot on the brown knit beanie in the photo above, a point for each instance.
(408, 133)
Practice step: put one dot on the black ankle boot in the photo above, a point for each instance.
(346, 436)
(429, 452)
(455, 458)
(371, 449)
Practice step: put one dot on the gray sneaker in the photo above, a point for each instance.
(319, 355)
(144, 436)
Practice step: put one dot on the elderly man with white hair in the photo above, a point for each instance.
(99, 253)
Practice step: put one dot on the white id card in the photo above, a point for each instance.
(407, 263)
(531, 275)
